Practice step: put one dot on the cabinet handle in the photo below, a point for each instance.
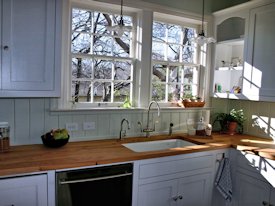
(175, 198)
(6, 48)
(264, 203)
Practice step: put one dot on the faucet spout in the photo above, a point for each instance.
(148, 129)
(122, 132)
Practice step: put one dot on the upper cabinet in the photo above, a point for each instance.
(30, 48)
(259, 72)
(244, 56)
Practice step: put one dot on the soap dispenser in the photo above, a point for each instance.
(200, 127)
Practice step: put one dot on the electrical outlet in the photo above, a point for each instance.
(88, 125)
(72, 126)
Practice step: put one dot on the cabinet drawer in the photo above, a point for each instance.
(174, 166)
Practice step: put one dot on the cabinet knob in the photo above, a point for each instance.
(264, 203)
(175, 198)
(180, 197)
(6, 48)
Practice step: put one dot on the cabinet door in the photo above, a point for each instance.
(24, 191)
(272, 197)
(251, 191)
(158, 194)
(259, 72)
(195, 190)
(29, 53)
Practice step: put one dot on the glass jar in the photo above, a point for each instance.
(4, 136)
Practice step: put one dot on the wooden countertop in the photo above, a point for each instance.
(37, 158)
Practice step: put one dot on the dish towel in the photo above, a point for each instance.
(223, 180)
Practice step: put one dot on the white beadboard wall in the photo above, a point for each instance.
(260, 115)
(30, 118)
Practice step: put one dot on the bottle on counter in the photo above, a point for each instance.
(4, 136)
(200, 127)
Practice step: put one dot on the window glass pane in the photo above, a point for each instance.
(174, 33)
(122, 71)
(121, 91)
(81, 91)
(102, 92)
(173, 53)
(158, 50)
(100, 21)
(174, 91)
(102, 69)
(187, 89)
(81, 20)
(188, 54)
(158, 91)
(81, 68)
(81, 43)
(121, 47)
(159, 31)
(175, 74)
(103, 45)
(159, 73)
(188, 75)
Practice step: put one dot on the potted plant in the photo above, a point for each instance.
(230, 122)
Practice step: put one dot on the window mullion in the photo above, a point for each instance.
(112, 82)
(167, 83)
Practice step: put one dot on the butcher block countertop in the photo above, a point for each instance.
(37, 158)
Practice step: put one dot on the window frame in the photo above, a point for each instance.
(142, 20)
(112, 59)
(200, 57)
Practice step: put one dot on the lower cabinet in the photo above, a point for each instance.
(254, 185)
(24, 191)
(179, 180)
(251, 191)
(182, 191)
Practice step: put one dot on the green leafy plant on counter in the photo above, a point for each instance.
(233, 116)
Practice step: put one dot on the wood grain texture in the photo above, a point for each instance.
(35, 158)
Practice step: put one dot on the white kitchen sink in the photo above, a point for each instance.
(157, 145)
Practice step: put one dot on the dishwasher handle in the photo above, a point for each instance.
(61, 182)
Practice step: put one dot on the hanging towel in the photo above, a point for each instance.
(223, 180)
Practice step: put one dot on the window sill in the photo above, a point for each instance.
(120, 109)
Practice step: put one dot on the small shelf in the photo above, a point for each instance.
(226, 95)
(232, 42)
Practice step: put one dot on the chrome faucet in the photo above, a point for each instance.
(122, 132)
(147, 130)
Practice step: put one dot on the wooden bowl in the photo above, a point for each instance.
(193, 104)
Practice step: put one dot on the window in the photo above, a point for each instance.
(101, 62)
(175, 67)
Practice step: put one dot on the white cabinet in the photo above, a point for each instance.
(251, 191)
(177, 180)
(24, 191)
(255, 182)
(163, 193)
(30, 48)
(181, 191)
(259, 70)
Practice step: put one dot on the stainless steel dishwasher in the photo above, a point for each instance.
(100, 186)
